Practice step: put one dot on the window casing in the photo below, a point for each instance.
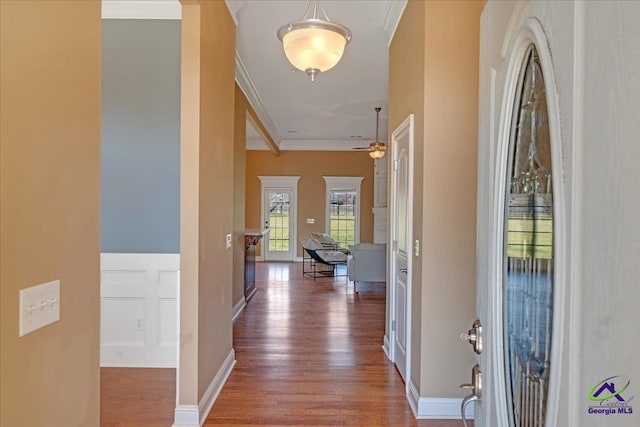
(343, 208)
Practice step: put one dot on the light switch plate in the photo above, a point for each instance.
(228, 241)
(39, 306)
(311, 220)
(416, 248)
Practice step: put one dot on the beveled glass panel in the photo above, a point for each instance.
(528, 249)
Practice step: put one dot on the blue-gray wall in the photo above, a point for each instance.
(140, 136)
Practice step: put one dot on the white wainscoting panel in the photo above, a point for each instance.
(139, 325)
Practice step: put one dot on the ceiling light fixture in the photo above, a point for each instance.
(314, 44)
(376, 149)
(376, 154)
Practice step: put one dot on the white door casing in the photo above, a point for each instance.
(400, 256)
(280, 187)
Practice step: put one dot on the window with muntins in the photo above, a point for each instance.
(343, 209)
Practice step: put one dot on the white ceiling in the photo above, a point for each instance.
(336, 112)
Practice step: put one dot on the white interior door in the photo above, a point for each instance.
(401, 196)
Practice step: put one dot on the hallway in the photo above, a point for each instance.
(308, 353)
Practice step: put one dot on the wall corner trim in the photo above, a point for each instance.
(215, 387)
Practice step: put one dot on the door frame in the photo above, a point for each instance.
(407, 126)
(522, 32)
(281, 183)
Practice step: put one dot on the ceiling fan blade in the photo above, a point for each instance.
(362, 148)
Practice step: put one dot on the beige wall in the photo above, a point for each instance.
(206, 199)
(239, 159)
(311, 166)
(406, 96)
(449, 202)
(50, 213)
(434, 75)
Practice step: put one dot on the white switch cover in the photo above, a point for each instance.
(416, 248)
(39, 306)
(311, 220)
(228, 241)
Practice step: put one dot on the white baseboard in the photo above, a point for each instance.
(436, 408)
(238, 308)
(260, 258)
(186, 416)
(386, 347)
(215, 387)
(413, 397)
(195, 416)
(441, 408)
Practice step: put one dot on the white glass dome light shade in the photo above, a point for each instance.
(314, 48)
(314, 44)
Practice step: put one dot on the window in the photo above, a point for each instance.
(343, 209)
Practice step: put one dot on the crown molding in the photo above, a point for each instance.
(141, 9)
(257, 145)
(395, 9)
(250, 91)
(321, 145)
(234, 6)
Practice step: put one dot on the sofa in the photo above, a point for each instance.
(367, 263)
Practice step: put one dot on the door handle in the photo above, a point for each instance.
(476, 390)
(474, 336)
(404, 270)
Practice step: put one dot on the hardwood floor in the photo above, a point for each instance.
(137, 397)
(308, 353)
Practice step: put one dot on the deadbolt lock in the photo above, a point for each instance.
(474, 336)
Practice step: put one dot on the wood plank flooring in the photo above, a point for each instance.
(308, 354)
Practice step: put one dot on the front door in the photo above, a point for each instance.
(520, 181)
(401, 240)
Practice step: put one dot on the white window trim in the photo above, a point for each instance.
(342, 183)
(284, 183)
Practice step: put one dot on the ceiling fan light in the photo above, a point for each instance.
(376, 154)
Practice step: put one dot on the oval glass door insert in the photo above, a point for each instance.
(528, 249)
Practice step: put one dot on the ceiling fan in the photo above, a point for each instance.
(376, 149)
